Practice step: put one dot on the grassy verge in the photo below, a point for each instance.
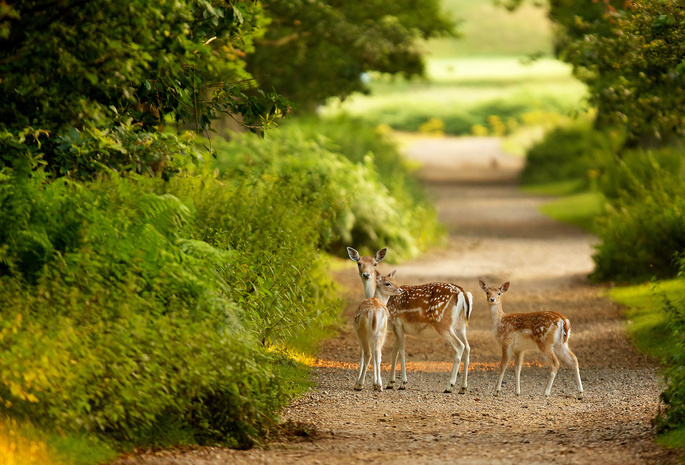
(578, 208)
(648, 322)
(21, 443)
(649, 329)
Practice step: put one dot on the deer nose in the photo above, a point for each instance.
(492, 299)
(366, 275)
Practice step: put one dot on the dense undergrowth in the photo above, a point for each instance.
(151, 312)
(634, 201)
(641, 225)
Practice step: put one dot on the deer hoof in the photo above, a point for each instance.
(447, 391)
(580, 396)
(462, 390)
(378, 388)
(496, 394)
(402, 387)
(358, 388)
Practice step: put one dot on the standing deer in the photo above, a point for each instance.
(446, 307)
(547, 332)
(371, 323)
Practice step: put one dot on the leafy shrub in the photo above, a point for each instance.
(643, 227)
(82, 154)
(672, 416)
(570, 152)
(364, 211)
(123, 307)
(637, 171)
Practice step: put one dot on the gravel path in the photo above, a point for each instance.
(495, 233)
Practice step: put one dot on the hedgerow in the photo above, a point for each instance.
(128, 311)
(642, 229)
(367, 208)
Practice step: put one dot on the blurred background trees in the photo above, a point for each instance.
(313, 50)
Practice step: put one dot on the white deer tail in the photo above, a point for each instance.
(465, 304)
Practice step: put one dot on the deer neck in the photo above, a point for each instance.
(370, 286)
(380, 296)
(497, 313)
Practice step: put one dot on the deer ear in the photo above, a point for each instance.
(483, 285)
(504, 287)
(380, 255)
(379, 278)
(354, 255)
(392, 275)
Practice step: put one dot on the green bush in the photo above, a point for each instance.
(570, 152)
(364, 211)
(672, 416)
(637, 171)
(642, 229)
(133, 308)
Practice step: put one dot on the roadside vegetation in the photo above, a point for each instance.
(622, 168)
(160, 284)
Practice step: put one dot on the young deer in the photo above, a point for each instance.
(446, 307)
(371, 323)
(547, 332)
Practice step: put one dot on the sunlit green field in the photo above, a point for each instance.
(487, 71)
(489, 30)
(465, 91)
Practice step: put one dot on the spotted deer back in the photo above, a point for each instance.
(424, 303)
(537, 326)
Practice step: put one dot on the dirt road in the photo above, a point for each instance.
(495, 233)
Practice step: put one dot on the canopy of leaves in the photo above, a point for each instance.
(314, 49)
(73, 63)
(632, 56)
(636, 73)
(103, 63)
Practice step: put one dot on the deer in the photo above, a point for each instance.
(371, 324)
(444, 306)
(517, 333)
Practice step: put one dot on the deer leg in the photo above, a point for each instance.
(461, 334)
(458, 347)
(393, 362)
(503, 367)
(403, 362)
(517, 368)
(570, 359)
(553, 368)
(377, 383)
(363, 365)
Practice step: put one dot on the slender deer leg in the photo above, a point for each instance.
(393, 361)
(363, 365)
(377, 383)
(503, 367)
(517, 368)
(403, 362)
(461, 334)
(458, 347)
(553, 368)
(570, 359)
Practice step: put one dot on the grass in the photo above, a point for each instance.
(24, 444)
(576, 206)
(674, 439)
(649, 329)
(647, 320)
(463, 92)
(487, 29)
